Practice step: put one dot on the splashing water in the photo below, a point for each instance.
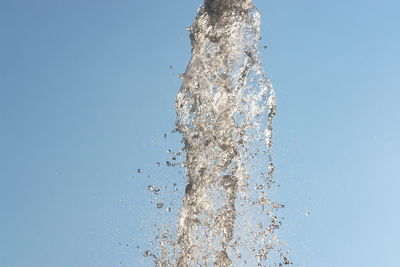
(225, 109)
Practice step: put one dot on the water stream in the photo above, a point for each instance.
(225, 109)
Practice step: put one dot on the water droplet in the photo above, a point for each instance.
(148, 253)
(153, 189)
(261, 186)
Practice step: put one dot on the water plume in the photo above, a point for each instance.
(225, 109)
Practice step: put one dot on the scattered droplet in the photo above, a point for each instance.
(261, 186)
(148, 253)
(153, 189)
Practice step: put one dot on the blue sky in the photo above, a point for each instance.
(86, 92)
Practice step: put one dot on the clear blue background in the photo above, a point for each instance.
(86, 91)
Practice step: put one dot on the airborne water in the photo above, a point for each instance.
(225, 109)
